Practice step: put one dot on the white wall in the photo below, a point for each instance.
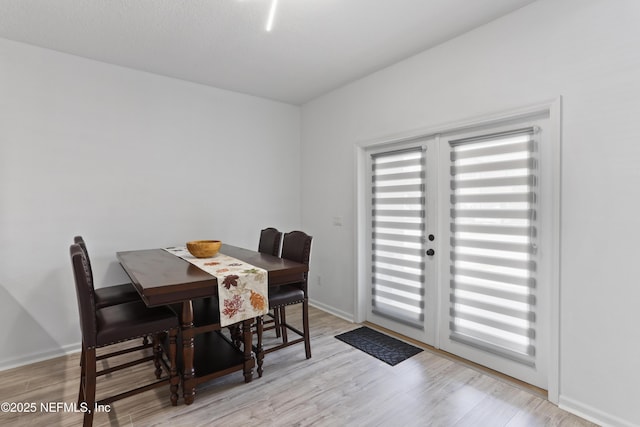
(586, 51)
(129, 160)
(93, 149)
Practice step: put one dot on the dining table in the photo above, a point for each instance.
(162, 278)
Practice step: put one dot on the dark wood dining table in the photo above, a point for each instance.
(162, 278)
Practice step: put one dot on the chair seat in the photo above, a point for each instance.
(125, 321)
(116, 294)
(285, 295)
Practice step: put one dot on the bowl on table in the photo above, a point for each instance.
(204, 248)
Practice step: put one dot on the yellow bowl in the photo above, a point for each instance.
(204, 248)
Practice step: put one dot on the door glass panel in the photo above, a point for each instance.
(493, 244)
(397, 235)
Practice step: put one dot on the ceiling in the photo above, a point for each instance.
(315, 45)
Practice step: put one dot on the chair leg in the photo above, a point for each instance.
(305, 328)
(283, 325)
(173, 370)
(276, 321)
(89, 386)
(83, 376)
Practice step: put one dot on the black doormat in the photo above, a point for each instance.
(379, 345)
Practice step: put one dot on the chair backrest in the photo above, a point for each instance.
(80, 241)
(270, 239)
(296, 246)
(85, 294)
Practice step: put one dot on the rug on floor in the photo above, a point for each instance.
(379, 345)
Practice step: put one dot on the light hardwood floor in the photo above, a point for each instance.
(338, 386)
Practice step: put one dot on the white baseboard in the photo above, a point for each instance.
(332, 310)
(592, 414)
(28, 359)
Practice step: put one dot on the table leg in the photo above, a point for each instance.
(188, 374)
(236, 334)
(248, 354)
(259, 349)
(173, 370)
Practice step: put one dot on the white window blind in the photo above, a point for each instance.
(493, 243)
(398, 224)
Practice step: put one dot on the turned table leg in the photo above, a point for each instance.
(259, 349)
(173, 371)
(188, 373)
(249, 363)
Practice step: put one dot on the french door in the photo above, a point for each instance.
(403, 274)
(454, 246)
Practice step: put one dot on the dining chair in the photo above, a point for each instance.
(270, 243)
(296, 246)
(109, 295)
(103, 327)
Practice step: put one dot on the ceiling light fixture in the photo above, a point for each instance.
(272, 14)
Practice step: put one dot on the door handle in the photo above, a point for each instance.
(431, 252)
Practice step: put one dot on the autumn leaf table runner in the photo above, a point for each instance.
(242, 288)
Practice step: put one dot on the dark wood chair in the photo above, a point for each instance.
(102, 327)
(270, 243)
(296, 246)
(109, 295)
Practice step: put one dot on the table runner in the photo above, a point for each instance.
(242, 287)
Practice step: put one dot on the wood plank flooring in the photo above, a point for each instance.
(338, 386)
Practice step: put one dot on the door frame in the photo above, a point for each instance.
(553, 109)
